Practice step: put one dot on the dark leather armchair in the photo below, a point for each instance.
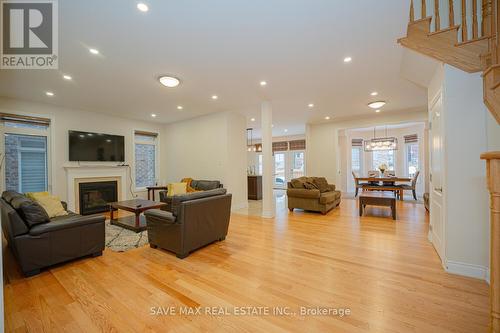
(194, 220)
(58, 240)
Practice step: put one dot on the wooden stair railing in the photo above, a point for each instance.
(493, 172)
(453, 46)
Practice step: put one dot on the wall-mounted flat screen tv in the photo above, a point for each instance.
(87, 147)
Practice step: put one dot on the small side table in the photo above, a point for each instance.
(152, 189)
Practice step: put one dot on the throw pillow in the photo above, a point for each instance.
(32, 213)
(189, 188)
(176, 189)
(310, 186)
(52, 205)
(297, 183)
(35, 195)
(322, 184)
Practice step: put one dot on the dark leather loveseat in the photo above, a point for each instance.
(42, 243)
(190, 221)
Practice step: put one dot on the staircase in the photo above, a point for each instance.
(470, 46)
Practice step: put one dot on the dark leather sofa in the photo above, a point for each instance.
(191, 221)
(57, 240)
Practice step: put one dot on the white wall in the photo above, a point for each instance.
(323, 154)
(64, 119)
(209, 147)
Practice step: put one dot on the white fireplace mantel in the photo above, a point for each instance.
(77, 173)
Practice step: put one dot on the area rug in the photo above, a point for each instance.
(119, 239)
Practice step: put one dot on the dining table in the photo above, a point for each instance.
(384, 179)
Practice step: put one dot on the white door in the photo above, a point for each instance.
(437, 226)
(288, 165)
(280, 167)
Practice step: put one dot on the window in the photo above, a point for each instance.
(26, 152)
(383, 157)
(356, 159)
(412, 158)
(145, 159)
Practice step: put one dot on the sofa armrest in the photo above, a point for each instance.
(160, 215)
(303, 193)
(70, 222)
(331, 187)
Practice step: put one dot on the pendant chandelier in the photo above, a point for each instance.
(385, 143)
(250, 145)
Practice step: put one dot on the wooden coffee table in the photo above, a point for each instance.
(135, 223)
(377, 199)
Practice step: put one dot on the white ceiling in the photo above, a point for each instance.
(226, 47)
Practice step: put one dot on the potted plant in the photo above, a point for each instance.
(382, 167)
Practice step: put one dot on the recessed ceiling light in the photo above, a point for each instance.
(153, 115)
(169, 81)
(377, 104)
(311, 105)
(142, 7)
(327, 118)
(286, 130)
(180, 107)
(347, 59)
(272, 125)
(49, 93)
(377, 111)
(374, 93)
(263, 83)
(67, 77)
(215, 97)
(253, 119)
(94, 51)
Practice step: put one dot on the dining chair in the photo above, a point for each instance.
(413, 185)
(389, 173)
(375, 174)
(357, 184)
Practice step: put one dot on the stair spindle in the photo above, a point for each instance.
(464, 21)
(474, 20)
(412, 12)
(452, 13)
(424, 9)
(486, 14)
(437, 18)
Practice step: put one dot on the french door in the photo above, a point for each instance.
(288, 165)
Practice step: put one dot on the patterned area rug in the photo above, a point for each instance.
(119, 239)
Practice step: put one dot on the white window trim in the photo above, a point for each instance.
(156, 143)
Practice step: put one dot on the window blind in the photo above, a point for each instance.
(297, 144)
(411, 138)
(280, 146)
(15, 118)
(144, 133)
(357, 142)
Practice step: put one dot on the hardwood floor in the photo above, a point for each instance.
(386, 273)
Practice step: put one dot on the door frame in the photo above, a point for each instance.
(288, 166)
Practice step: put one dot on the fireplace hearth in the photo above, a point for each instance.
(94, 197)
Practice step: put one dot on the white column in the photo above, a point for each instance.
(268, 209)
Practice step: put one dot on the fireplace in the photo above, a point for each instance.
(95, 196)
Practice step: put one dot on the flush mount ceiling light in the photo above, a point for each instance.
(180, 107)
(142, 7)
(374, 93)
(377, 104)
(67, 77)
(49, 93)
(94, 51)
(347, 59)
(214, 97)
(263, 83)
(169, 81)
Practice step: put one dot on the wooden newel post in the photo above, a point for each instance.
(493, 177)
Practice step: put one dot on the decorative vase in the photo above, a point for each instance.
(382, 171)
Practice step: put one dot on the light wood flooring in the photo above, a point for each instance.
(386, 273)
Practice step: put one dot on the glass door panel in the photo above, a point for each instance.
(279, 170)
(297, 162)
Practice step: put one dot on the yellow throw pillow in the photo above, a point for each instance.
(35, 195)
(52, 205)
(176, 189)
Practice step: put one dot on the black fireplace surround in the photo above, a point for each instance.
(95, 196)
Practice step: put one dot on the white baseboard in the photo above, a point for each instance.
(240, 205)
(469, 270)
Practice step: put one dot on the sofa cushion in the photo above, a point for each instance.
(328, 197)
(322, 184)
(174, 202)
(52, 205)
(297, 183)
(17, 201)
(176, 189)
(303, 193)
(32, 213)
(9, 195)
(310, 186)
(206, 185)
